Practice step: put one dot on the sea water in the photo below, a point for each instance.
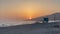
(13, 23)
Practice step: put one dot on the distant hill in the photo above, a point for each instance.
(51, 17)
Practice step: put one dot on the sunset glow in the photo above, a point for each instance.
(30, 18)
(28, 9)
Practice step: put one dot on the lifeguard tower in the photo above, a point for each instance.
(45, 20)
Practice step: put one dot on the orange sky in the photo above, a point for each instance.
(28, 9)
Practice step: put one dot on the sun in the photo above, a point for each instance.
(30, 18)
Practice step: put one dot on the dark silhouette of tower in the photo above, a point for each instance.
(45, 20)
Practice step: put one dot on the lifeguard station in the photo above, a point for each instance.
(45, 20)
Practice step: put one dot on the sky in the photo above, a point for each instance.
(27, 9)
